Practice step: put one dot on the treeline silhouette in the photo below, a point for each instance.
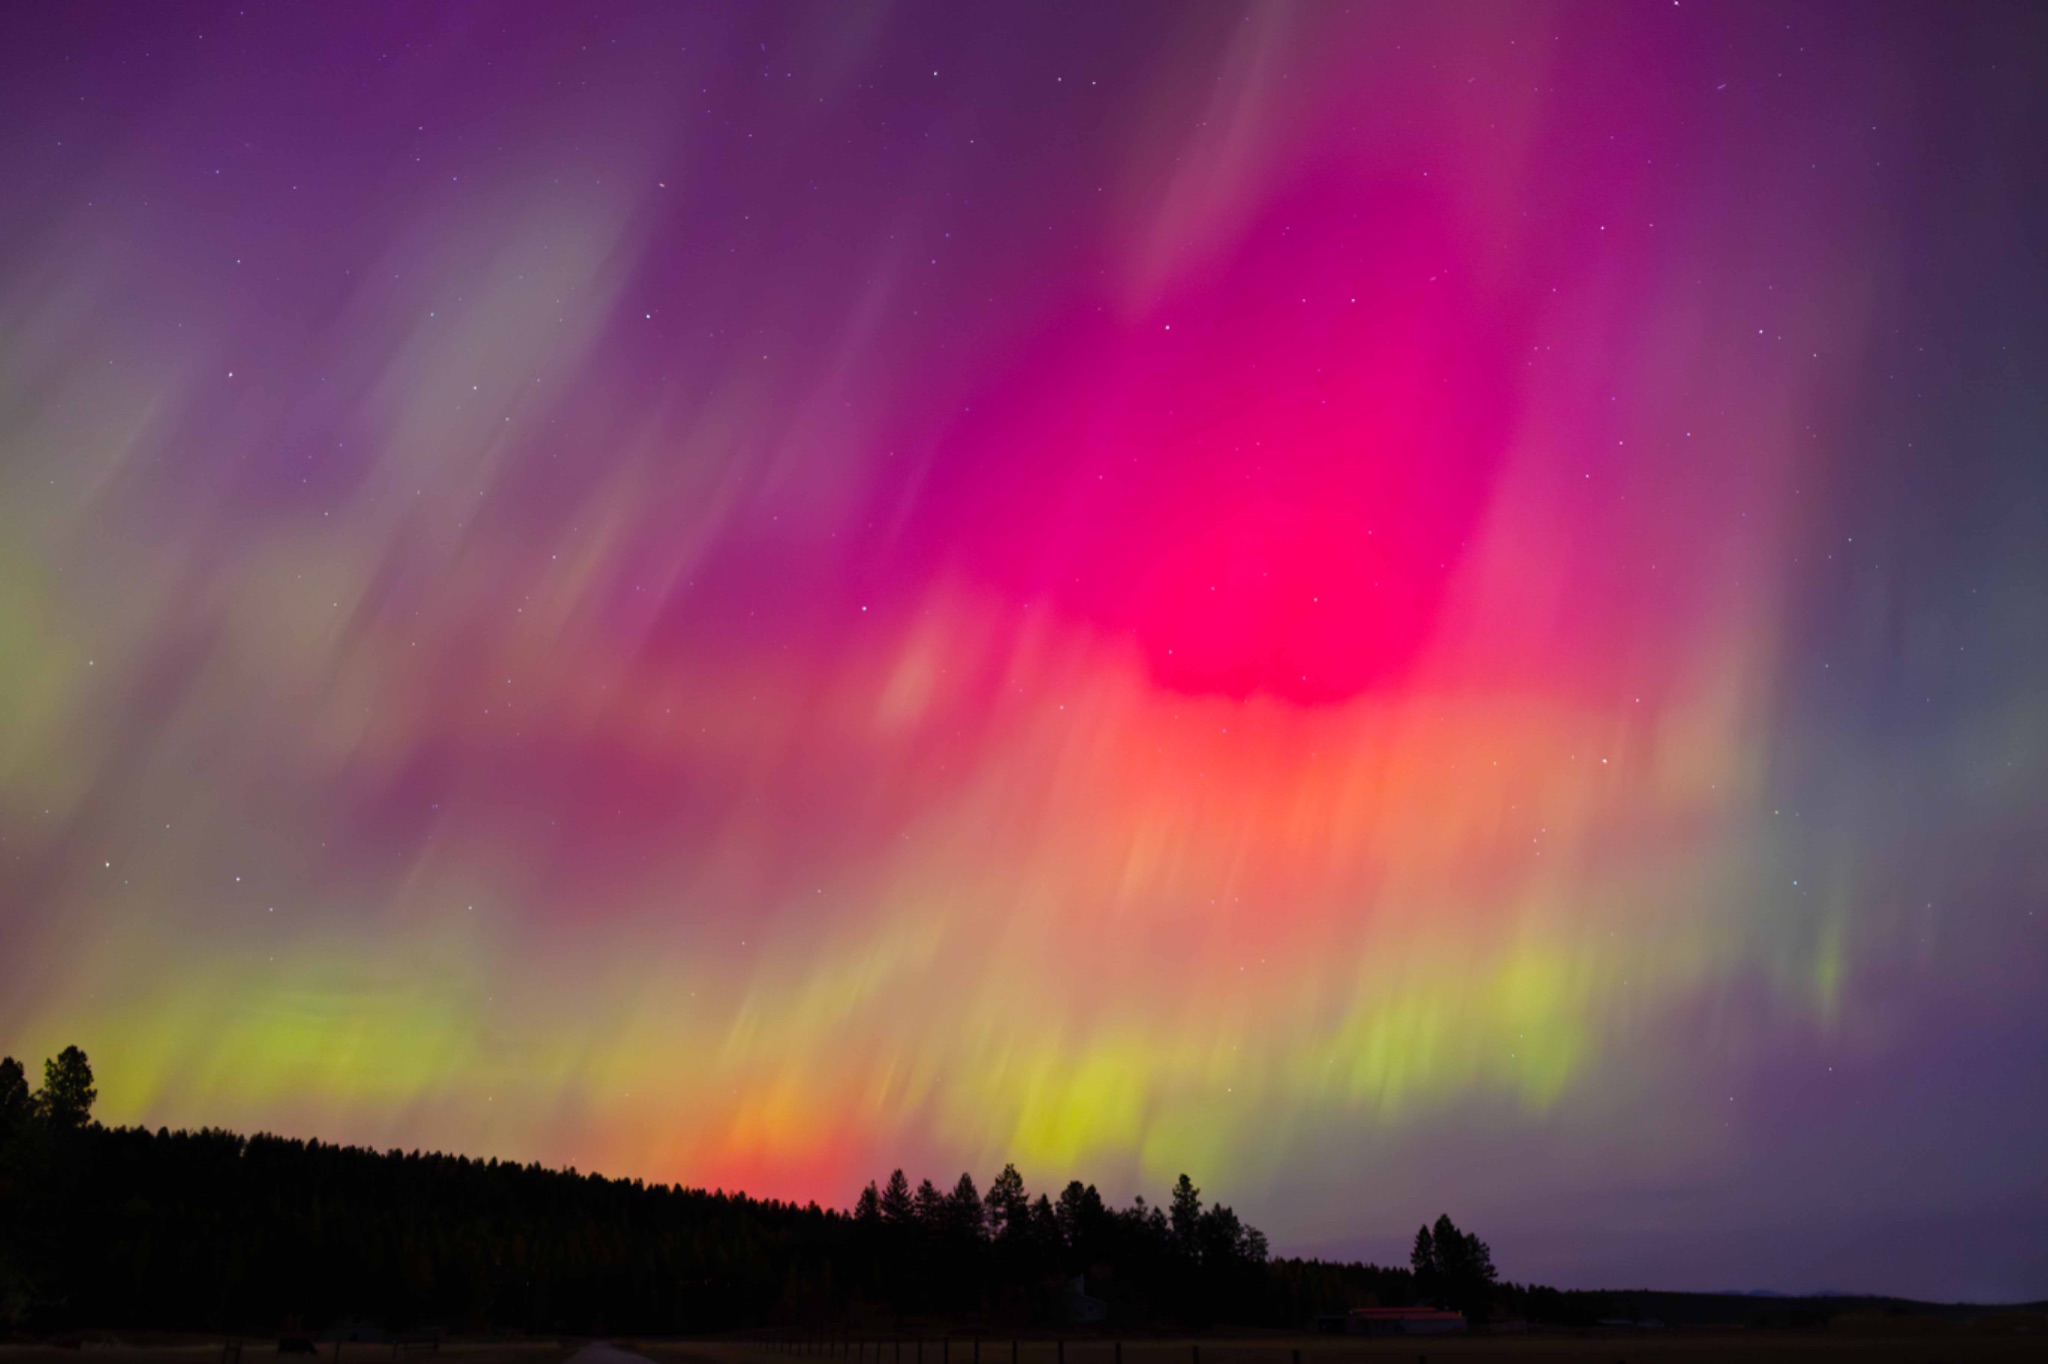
(1025, 1258)
(209, 1230)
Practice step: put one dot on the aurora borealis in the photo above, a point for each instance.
(1398, 607)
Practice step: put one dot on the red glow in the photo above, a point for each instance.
(1268, 477)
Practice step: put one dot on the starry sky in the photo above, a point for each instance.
(1406, 609)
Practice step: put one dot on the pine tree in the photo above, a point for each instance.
(1009, 1206)
(1186, 1216)
(1081, 1216)
(898, 1209)
(1423, 1259)
(1450, 1253)
(1045, 1228)
(66, 1098)
(931, 1207)
(1454, 1267)
(964, 1211)
(15, 1102)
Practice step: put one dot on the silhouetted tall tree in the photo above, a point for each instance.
(1009, 1207)
(1082, 1218)
(67, 1096)
(1422, 1259)
(17, 1115)
(1454, 1267)
(15, 1102)
(931, 1207)
(965, 1214)
(898, 1207)
(1186, 1216)
(1220, 1236)
(1046, 1243)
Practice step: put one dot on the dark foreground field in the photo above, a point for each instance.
(1992, 1340)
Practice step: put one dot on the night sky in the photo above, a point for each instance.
(1403, 608)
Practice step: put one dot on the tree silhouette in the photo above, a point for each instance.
(1454, 1267)
(66, 1098)
(1423, 1260)
(1082, 1219)
(931, 1207)
(1255, 1248)
(898, 1208)
(1009, 1207)
(1220, 1236)
(1186, 1216)
(1045, 1229)
(965, 1216)
(17, 1254)
(16, 1105)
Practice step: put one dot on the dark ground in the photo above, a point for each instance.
(1993, 1337)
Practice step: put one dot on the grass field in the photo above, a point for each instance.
(1909, 1342)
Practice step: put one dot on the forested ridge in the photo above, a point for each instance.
(210, 1230)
